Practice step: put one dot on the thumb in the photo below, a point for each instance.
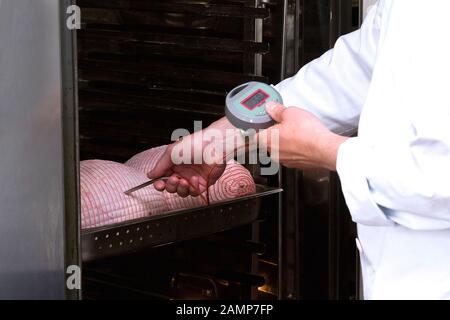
(162, 166)
(275, 111)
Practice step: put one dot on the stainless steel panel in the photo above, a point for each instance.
(31, 156)
(177, 226)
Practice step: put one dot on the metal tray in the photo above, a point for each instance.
(172, 227)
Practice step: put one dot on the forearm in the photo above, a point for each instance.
(221, 124)
(225, 139)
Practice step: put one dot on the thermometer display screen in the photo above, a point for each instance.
(256, 100)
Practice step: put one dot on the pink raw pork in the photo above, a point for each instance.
(103, 202)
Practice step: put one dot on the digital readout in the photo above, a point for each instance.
(255, 100)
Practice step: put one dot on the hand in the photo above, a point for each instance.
(304, 141)
(187, 178)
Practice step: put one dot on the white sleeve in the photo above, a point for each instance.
(407, 185)
(397, 171)
(334, 86)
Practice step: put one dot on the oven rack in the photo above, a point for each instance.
(134, 235)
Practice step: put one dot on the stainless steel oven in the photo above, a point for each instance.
(135, 71)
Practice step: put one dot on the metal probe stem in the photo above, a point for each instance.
(144, 185)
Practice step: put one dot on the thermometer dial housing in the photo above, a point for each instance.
(246, 105)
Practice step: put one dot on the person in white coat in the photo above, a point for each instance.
(389, 83)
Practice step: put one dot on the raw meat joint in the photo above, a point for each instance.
(103, 183)
(102, 194)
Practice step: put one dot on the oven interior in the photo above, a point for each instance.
(146, 68)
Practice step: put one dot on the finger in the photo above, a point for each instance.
(183, 188)
(160, 185)
(172, 184)
(163, 165)
(275, 111)
(194, 187)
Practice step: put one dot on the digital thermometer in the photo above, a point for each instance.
(246, 105)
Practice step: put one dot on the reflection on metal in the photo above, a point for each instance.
(318, 182)
(32, 233)
(341, 12)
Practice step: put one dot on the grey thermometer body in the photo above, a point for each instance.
(246, 105)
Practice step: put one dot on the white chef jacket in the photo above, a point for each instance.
(391, 79)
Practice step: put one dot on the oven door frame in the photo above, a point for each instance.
(71, 157)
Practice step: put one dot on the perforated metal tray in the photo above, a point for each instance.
(172, 227)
